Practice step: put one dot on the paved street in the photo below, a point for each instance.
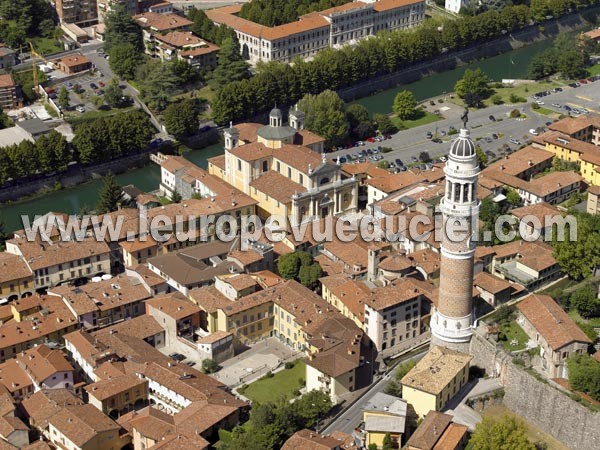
(409, 143)
(352, 417)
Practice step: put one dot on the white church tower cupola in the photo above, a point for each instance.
(297, 119)
(275, 117)
(231, 136)
(452, 319)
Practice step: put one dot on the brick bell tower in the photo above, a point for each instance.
(452, 319)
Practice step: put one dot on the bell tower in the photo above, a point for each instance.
(452, 319)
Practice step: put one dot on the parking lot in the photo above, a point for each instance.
(495, 137)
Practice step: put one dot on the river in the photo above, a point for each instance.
(507, 65)
(512, 65)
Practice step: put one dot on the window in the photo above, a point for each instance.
(239, 164)
(265, 166)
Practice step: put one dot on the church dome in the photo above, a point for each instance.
(276, 112)
(463, 146)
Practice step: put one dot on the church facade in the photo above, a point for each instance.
(284, 168)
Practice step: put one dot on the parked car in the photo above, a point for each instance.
(399, 162)
(80, 108)
(429, 135)
(93, 85)
(492, 118)
(442, 158)
(177, 356)
(488, 139)
(413, 158)
(539, 102)
(101, 84)
(556, 105)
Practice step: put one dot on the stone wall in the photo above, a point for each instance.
(537, 402)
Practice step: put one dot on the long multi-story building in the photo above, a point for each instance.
(80, 12)
(333, 27)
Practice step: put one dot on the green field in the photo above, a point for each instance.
(424, 118)
(282, 384)
(46, 46)
(513, 331)
(594, 70)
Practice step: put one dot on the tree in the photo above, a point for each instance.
(158, 85)
(577, 258)
(110, 196)
(584, 375)
(5, 121)
(497, 99)
(424, 157)
(63, 98)
(309, 275)
(512, 197)
(404, 105)
(3, 234)
(121, 29)
(209, 365)
(383, 164)
(356, 114)
(325, 115)
(482, 158)
(585, 301)
(181, 118)
(472, 87)
(507, 433)
(97, 101)
(387, 442)
(364, 130)
(230, 65)
(113, 94)
(288, 265)
(176, 196)
(124, 60)
(384, 124)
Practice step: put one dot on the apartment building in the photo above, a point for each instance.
(7, 57)
(185, 46)
(80, 12)
(104, 302)
(54, 261)
(557, 335)
(277, 165)
(435, 380)
(10, 93)
(384, 415)
(179, 317)
(35, 320)
(118, 393)
(315, 31)
(105, 6)
(16, 278)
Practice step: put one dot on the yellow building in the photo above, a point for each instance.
(16, 279)
(280, 167)
(117, 394)
(384, 414)
(435, 379)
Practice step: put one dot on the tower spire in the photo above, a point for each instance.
(452, 319)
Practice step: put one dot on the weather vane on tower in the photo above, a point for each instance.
(465, 117)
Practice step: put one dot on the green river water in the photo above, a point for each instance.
(508, 65)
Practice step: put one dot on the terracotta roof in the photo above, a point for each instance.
(436, 370)
(44, 404)
(593, 34)
(310, 440)
(537, 255)
(365, 168)
(551, 321)
(142, 327)
(239, 282)
(214, 337)
(429, 431)
(398, 291)
(73, 60)
(452, 437)
(386, 5)
(306, 137)
(570, 125)
(161, 22)
(6, 80)
(202, 50)
(174, 305)
(352, 293)
(209, 298)
(245, 257)
(81, 423)
(490, 283)
(538, 210)
(218, 161)
(110, 387)
(13, 267)
(343, 8)
(181, 39)
(14, 377)
(42, 362)
(277, 186)
(520, 161)
(565, 141)
(150, 278)
(394, 182)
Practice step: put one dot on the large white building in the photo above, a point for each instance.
(333, 27)
(455, 5)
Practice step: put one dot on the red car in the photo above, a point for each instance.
(583, 81)
(371, 139)
(101, 84)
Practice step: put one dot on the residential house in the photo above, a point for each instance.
(73, 64)
(310, 440)
(593, 200)
(382, 415)
(438, 432)
(118, 393)
(7, 57)
(435, 379)
(16, 278)
(185, 46)
(557, 335)
(492, 289)
(179, 317)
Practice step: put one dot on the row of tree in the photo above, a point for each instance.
(21, 19)
(106, 138)
(568, 56)
(301, 267)
(276, 12)
(271, 424)
(388, 52)
(49, 153)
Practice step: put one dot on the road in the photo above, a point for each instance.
(352, 417)
(410, 143)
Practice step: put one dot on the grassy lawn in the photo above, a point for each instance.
(546, 111)
(74, 117)
(594, 70)
(522, 90)
(513, 331)
(46, 46)
(534, 434)
(281, 384)
(424, 117)
(556, 289)
(594, 321)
